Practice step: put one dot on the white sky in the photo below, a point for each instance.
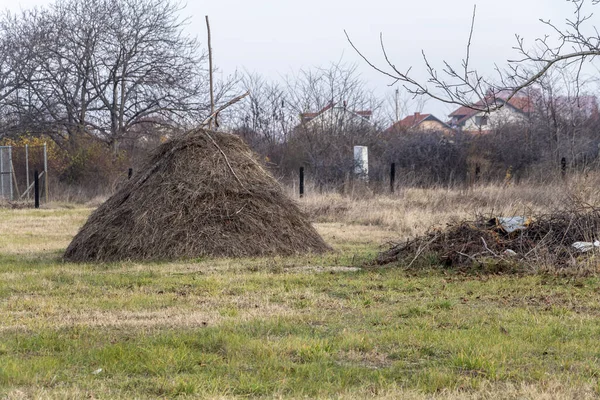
(277, 37)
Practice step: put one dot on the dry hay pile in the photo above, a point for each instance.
(546, 239)
(203, 194)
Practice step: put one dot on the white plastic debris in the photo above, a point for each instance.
(96, 372)
(512, 224)
(510, 253)
(586, 246)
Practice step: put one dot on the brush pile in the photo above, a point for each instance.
(547, 239)
(203, 194)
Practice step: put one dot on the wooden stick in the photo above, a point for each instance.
(487, 248)
(225, 157)
(14, 176)
(421, 250)
(231, 102)
(210, 72)
(31, 186)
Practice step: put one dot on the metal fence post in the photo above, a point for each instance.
(392, 177)
(10, 170)
(27, 169)
(301, 182)
(36, 188)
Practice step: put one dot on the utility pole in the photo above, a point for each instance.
(397, 103)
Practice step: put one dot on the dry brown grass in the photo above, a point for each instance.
(502, 391)
(412, 211)
(27, 231)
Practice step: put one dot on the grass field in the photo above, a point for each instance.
(316, 327)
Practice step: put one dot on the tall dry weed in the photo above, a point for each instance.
(412, 211)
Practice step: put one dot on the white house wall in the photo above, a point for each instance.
(506, 115)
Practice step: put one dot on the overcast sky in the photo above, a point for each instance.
(277, 37)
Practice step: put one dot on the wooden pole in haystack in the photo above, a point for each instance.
(215, 113)
(210, 74)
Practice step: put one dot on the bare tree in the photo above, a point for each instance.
(55, 93)
(336, 112)
(312, 119)
(573, 44)
(102, 67)
(565, 116)
(399, 104)
(314, 88)
(13, 58)
(266, 118)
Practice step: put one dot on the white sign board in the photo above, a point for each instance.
(361, 162)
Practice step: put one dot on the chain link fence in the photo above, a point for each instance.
(6, 173)
(17, 168)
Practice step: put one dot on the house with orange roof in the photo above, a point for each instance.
(420, 122)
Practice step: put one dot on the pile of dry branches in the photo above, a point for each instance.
(201, 194)
(546, 239)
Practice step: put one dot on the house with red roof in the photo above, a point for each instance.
(513, 111)
(420, 122)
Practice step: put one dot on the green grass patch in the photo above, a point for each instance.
(290, 327)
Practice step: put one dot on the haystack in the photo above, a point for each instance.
(203, 194)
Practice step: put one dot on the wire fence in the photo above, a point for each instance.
(6, 173)
(17, 168)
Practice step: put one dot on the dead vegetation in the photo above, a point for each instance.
(203, 194)
(412, 211)
(453, 225)
(542, 239)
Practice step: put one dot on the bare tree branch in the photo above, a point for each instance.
(468, 88)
